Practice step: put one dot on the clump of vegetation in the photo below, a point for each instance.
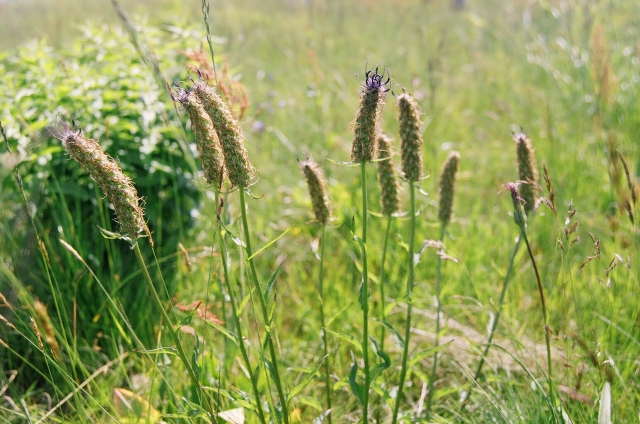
(235, 311)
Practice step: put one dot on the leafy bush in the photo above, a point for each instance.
(104, 84)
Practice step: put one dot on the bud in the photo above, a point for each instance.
(317, 189)
(527, 170)
(110, 178)
(207, 140)
(410, 137)
(365, 124)
(229, 130)
(446, 186)
(386, 177)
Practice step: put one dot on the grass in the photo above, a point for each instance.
(476, 73)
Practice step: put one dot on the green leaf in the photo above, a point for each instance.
(347, 338)
(304, 383)
(274, 240)
(159, 351)
(356, 388)
(272, 280)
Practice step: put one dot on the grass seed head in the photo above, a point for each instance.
(230, 133)
(207, 140)
(410, 137)
(387, 177)
(317, 190)
(527, 170)
(446, 186)
(42, 316)
(365, 124)
(110, 178)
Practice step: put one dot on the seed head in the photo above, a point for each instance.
(446, 186)
(229, 130)
(365, 124)
(317, 189)
(110, 178)
(386, 177)
(527, 169)
(519, 215)
(207, 139)
(410, 137)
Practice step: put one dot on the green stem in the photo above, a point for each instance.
(325, 343)
(383, 316)
(545, 316)
(434, 367)
(496, 318)
(407, 330)
(236, 317)
(365, 296)
(263, 308)
(172, 331)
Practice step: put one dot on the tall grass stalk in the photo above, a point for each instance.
(383, 313)
(365, 295)
(236, 317)
(263, 308)
(410, 282)
(325, 343)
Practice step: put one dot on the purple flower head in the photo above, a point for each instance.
(519, 216)
(374, 81)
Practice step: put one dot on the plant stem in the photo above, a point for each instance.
(494, 321)
(383, 316)
(365, 296)
(325, 344)
(172, 331)
(236, 317)
(263, 308)
(434, 367)
(544, 313)
(407, 330)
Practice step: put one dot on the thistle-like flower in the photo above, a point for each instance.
(207, 140)
(317, 190)
(410, 137)
(386, 177)
(365, 124)
(110, 178)
(527, 170)
(229, 130)
(446, 186)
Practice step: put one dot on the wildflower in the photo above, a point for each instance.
(410, 137)
(527, 170)
(317, 189)
(386, 177)
(446, 186)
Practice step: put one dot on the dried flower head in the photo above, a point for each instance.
(527, 170)
(365, 124)
(229, 130)
(110, 178)
(317, 189)
(410, 137)
(207, 140)
(446, 186)
(387, 177)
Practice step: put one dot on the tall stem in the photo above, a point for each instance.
(236, 318)
(172, 331)
(383, 315)
(410, 280)
(365, 296)
(325, 344)
(545, 316)
(496, 318)
(434, 367)
(263, 308)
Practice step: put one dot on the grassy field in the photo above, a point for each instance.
(81, 337)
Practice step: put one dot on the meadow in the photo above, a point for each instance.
(245, 303)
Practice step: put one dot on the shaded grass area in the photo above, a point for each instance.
(477, 72)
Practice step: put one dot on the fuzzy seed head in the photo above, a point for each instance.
(527, 170)
(410, 137)
(365, 124)
(446, 186)
(207, 140)
(387, 177)
(110, 178)
(230, 133)
(317, 190)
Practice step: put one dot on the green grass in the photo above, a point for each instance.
(476, 73)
